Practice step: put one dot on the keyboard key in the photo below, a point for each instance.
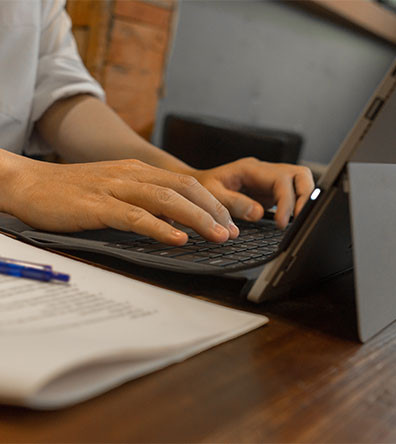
(257, 244)
(238, 241)
(244, 254)
(220, 262)
(273, 242)
(239, 257)
(254, 244)
(263, 241)
(248, 238)
(149, 248)
(256, 251)
(211, 245)
(238, 248)
(223, 250)
(252, 231)
(192, 257)
(118, 245)
(201, 248)
(190, 243)
(250, 262)
(174, 252)
(269, 236)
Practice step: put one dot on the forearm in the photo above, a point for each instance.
(84, 129)
(12, 170)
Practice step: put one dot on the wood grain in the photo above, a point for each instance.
(133, 73)
(124, 44)
(91, 22)
(150, 14)
(301, 379)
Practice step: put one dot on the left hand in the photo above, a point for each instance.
(248, 186)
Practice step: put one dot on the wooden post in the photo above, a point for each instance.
(124, 44)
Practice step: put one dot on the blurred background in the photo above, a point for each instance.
(307, 67)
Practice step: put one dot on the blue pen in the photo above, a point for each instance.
(30, 270)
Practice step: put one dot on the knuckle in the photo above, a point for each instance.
(99, 200)
(201, 218)
(133, 164)
(157, 225)
(305, 170)
(188, 181)
(122, 168)
(135, 215)
(165, 195)
(117, 183)
(286, 168)
(254, 160)
(250, 160)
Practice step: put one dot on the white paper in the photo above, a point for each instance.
(62, 343)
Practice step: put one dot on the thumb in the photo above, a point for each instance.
(239, 205)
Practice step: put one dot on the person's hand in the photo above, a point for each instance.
(248, 186)
(127, 194)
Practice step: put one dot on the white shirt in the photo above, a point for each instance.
(39, 64)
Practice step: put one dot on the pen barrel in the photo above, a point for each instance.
(11, 269)
(38, 275)
(43, 274)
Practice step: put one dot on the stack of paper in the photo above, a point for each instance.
(64, 343)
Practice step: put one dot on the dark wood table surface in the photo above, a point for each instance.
(302, 378)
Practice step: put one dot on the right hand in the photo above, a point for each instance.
(126, 194)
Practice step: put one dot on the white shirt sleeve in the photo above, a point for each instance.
(60, 71)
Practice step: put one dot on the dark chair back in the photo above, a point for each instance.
(205, 142)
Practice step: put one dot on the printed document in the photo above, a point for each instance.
(64, 343)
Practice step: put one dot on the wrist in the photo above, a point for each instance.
(159, 158)
(183, 168)
(11, 170)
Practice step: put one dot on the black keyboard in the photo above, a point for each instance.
(255, 244)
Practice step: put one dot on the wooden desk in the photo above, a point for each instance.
(302, 378)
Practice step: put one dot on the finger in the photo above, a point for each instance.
(266, 200)
(263, 177)
(168, 220)
(283, 188)
(240, 205)
(304, 185)
(191, 189)
(165, 202)
(285, 200)
(123, 216)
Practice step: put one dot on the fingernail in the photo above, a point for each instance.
(233, 229)
(252, 213)
(220, 229)
(282, 223)
(177, 233)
